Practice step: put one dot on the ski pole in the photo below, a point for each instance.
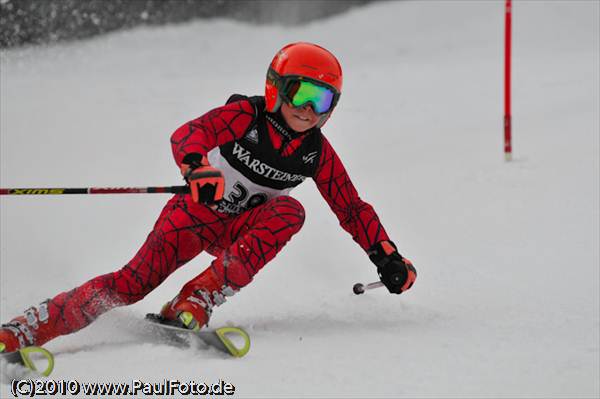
(361, 288)
(95, 190)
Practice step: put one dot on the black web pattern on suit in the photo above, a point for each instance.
(356, 216)
(255, 237)
(243, 244)
(215, 128)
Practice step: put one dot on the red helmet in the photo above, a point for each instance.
(305, 62)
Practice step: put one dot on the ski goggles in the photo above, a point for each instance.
(299, 91)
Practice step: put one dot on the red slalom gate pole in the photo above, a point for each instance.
(507, 85)
(95, 190)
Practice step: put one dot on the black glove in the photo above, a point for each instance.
(395, 272)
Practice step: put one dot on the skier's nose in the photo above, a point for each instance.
(308, 107)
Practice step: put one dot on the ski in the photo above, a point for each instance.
(29, 357)
(218, 338)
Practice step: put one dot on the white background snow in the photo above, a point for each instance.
(506, 303)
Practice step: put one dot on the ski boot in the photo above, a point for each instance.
(192, 307)
(11, 338)
(30, 329)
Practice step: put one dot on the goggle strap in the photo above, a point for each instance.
(274, 77)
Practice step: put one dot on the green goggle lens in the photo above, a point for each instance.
(303, 92)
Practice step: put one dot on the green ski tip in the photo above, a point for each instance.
(26, 356)
(235, 351)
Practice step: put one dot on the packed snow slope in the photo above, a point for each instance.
(507, 298)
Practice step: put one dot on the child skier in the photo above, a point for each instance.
(241, 161)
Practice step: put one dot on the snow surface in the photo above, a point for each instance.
(507, 299)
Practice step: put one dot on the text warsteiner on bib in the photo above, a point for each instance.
(255, 157)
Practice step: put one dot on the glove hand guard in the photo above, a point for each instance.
(396, 272)
(206, 183)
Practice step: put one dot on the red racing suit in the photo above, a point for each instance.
(262, 160)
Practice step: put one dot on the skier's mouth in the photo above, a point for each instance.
(303, 119)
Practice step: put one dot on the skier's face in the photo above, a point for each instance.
(301, 118)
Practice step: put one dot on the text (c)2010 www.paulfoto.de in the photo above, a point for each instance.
(49, 387)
